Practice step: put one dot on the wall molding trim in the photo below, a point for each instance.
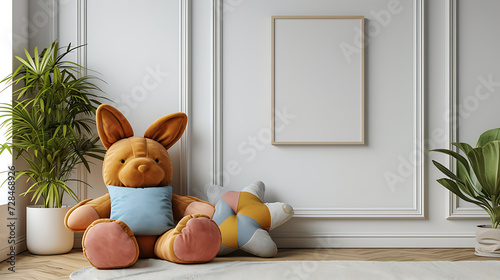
(453, 210)
(375, 240)
(185, 90)
(81, 35)
(418, 92)
(81, 59)
(55, 20)
(415, 212)
(217, 92)
(417, 209)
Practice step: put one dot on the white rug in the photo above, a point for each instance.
(294, 270)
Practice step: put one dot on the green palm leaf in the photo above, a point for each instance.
(485, 162)
(50, 121)
(477, 179)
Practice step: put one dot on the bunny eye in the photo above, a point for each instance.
(157, 160)
(122, 161)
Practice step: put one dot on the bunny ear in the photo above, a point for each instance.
(168, 129)
(112, 125)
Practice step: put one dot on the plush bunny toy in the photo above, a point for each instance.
(140, 217)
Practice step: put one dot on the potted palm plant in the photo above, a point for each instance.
(49, 126)
(477, 180)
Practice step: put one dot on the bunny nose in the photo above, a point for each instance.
(143, 168)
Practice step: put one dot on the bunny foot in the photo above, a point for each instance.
(195, 239)
(110, 244)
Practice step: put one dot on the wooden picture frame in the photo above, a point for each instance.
(317, 80)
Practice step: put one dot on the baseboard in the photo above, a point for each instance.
(346, 240)
(356, 240)
(20, 247)
(78, 240)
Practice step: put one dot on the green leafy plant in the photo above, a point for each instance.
(477, 178)
(49, 122)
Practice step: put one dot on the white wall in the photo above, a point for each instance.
(19, 37)
(134, 48)
(478, 70)
(478, 76)
(340, 173)
(344, 178)
(201, 143)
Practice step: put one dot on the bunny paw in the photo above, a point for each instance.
(196, 239)
(110, 244)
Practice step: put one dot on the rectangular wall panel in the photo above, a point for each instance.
(383, 177)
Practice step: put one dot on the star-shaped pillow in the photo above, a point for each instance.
(245, 221)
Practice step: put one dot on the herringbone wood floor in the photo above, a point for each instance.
(30, 266)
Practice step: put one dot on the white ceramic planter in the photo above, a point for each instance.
(45, 231)
(488, 241)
